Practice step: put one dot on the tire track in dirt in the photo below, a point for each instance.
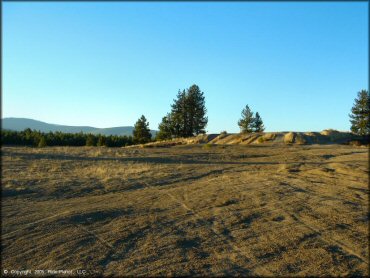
(318, 230)
(225, 239)
(315, 228)
(101, 240)
(311, 227)
(5, 236)
(330, 241)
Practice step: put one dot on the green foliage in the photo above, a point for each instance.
(101, 141)
(207, 146)
(257, 124)
(165, 129)
(187, 117)
(141, 132)
(42, 142)
(179, 115)
(35, 138)
(261, 140)
(196, 112)
(246, 121)
(360, 114)
(90, 140)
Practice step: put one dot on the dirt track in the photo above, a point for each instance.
(271, 210)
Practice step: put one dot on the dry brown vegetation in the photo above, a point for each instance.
(270, 210)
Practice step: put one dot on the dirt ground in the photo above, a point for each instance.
(268, 210)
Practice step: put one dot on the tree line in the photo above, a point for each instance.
(36, 138)
(186, 118)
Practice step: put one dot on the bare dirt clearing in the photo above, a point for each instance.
(187, 210)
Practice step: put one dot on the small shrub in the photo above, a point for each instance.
(42, 143)
(300, 139)
(261, 140)
(207, 146)
(355, 143)
(223, 134)
(90, 140)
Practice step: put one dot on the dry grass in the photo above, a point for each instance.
(270, 210)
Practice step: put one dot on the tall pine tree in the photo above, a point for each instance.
(360, 116)
(246, 121)
(165, 128)
(141, 132)
(188, 113)
(257, 124)
(196, 107)
(179, 115)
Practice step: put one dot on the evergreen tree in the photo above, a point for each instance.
(179, 115)
(90, 140)
(30, 137)
(188, 114)
(165, 128)
(257, 124)
(360, 116)
(141, 131)
(196, 110)
(246, 121)
(101, 141)
(109, 141)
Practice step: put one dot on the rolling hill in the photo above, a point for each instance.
(20, 124)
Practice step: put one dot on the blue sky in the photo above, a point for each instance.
(300, 65)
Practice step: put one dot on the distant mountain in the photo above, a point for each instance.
(20, 124)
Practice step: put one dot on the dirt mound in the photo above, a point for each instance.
(328, 136)
(289, 138)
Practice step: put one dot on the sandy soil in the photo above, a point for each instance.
(270, 210)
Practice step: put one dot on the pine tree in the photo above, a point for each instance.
(257, 124)
(188, 113)
(196, 110)
(246, 121)
(141, 131)
(165, 129)
(360, 116)
(90, 140)
(179, 115)
(101, 141)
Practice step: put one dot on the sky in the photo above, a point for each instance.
(300, 65)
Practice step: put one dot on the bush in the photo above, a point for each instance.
(90, 140)
(42, 143)
(356, 143)
(300, 139)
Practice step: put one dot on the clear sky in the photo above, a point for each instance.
(300, 65)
